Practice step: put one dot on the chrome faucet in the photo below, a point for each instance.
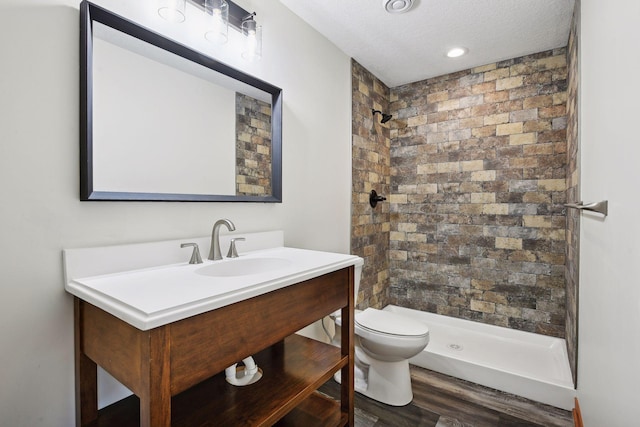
(195, 255)
(214, 253)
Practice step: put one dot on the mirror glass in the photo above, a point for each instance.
(166, 123)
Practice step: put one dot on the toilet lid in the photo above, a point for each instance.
(390, 323)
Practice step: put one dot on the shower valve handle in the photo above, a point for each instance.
(374, 198)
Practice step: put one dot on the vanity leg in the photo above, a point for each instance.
(347, 397)
(86, 374)
(155, 400)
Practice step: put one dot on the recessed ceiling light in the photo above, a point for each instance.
(397, 6)
(456, 52)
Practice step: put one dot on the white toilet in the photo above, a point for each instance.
(383, 346)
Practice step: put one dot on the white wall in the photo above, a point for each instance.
(40, 212)
(609, 301)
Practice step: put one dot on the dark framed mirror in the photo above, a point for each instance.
(163, 122)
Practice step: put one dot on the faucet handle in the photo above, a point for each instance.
(195, 255)
(233, 253)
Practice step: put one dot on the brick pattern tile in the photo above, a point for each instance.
(370, 227)
(478, 181)
(253, 146)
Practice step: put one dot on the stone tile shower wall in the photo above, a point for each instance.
(478, 168)
(370, 150)
(253, 146)
(573, 195)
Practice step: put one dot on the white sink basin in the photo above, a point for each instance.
(243, 267)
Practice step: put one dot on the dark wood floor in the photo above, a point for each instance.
(443, 401)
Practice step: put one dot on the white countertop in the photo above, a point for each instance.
(151, 297)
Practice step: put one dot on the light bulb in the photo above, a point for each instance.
(251, 44)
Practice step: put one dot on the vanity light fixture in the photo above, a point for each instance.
(172, 10)
(457, 52)
(220, 14)
(217, 21)
(252, 50)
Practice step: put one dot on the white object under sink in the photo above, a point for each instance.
(125, 282)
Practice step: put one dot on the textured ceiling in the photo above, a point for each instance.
(404, 48)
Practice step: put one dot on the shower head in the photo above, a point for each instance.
(385, 117)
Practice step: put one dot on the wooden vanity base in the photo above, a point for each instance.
(176, 370)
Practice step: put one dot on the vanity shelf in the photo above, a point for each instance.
(176, 371)
(308, 363)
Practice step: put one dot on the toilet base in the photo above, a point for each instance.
(386, 382)
(389, 382)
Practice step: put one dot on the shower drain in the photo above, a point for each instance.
(456, 347)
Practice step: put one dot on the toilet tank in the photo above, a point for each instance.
(357, 275)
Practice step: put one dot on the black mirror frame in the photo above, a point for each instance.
(89, 13)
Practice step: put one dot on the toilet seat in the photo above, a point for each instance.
(382, 322)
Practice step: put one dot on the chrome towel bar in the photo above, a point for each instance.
(600, 207)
